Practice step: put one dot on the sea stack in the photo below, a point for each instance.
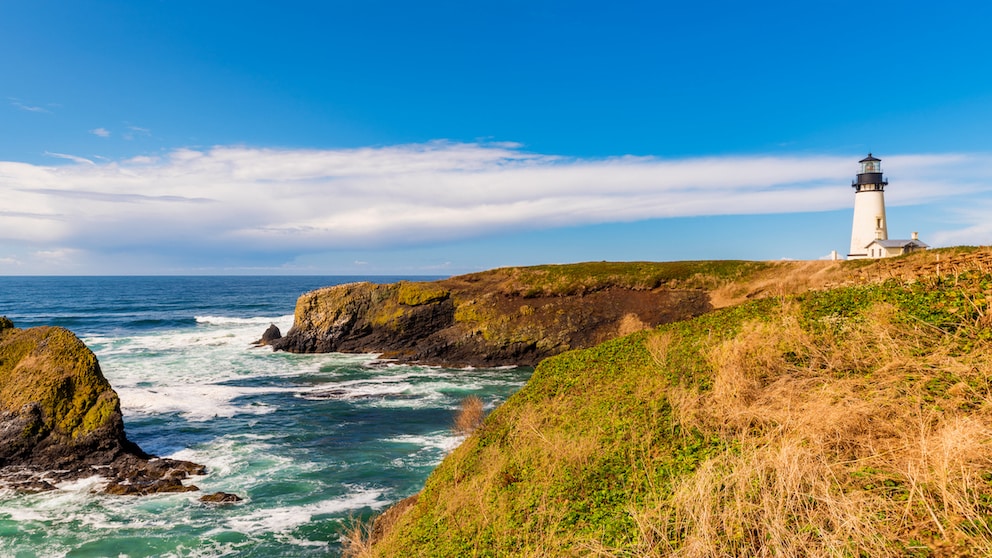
(60, 419)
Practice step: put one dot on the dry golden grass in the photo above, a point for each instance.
(470, 415)
(782, 278)
(357, 539)
(793, 277)
(360, 536)
(847, 442)
(630, 323)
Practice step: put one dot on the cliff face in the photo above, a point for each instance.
(513, 316)
(519, 316)
(60, 419)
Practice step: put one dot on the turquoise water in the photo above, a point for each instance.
(310, 441)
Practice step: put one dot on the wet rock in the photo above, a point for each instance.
(271, 334)
(61, 421)
(220, 498)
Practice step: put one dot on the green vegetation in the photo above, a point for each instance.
(571, 279)
(853, 421)
(51, 367)
(416, 294)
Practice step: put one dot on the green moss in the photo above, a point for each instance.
(387, 315)
(570, 279)
(98, 414)
(53, 368)
(416, 294)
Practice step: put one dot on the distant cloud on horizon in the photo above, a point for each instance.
(100, 132)
(237, 198)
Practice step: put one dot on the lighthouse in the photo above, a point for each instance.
(869, 207)
(870, 232)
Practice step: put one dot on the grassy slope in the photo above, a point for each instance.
(571, 279)
(852, 421)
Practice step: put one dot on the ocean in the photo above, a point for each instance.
(311, 442)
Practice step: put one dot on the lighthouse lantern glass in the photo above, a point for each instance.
(870, 166)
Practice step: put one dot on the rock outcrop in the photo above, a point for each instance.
(269, 336)
(60, 419)
(514, 316)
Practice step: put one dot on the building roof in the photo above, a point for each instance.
(869, 158)
(891, 243)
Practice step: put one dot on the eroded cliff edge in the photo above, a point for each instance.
(509, 316)
(60, 420)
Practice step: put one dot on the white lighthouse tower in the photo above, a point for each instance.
(870, 233)
(869, 208)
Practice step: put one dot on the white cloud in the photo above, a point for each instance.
(29, 108)
(101, 132)
(133, 131)
(57, 255)
(974, 226)
(299, 200)
(68, 157)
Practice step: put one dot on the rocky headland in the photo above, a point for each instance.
(509, 316)
(60, 420)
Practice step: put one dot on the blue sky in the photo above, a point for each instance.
(382, 137)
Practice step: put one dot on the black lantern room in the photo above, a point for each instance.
(870, 178)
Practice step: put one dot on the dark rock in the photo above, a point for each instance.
(60, 420)
(271, 334)
(478, 322)
(220, 498)
(130, 488)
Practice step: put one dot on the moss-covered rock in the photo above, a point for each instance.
(59, 415)
(513, 316)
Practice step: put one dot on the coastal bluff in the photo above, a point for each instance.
(838, 408)
(506, 316)
(60, 420)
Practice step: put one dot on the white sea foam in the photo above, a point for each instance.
(255, 321)
(248, 458)
(23, 514)
(430, 449)
(285, 519)
(210, 549)
(199, 392)
(85, 485)
(356, 389)
(213, 331)
(441, 441)
(193, 402)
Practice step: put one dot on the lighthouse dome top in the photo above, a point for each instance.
(869, 158)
